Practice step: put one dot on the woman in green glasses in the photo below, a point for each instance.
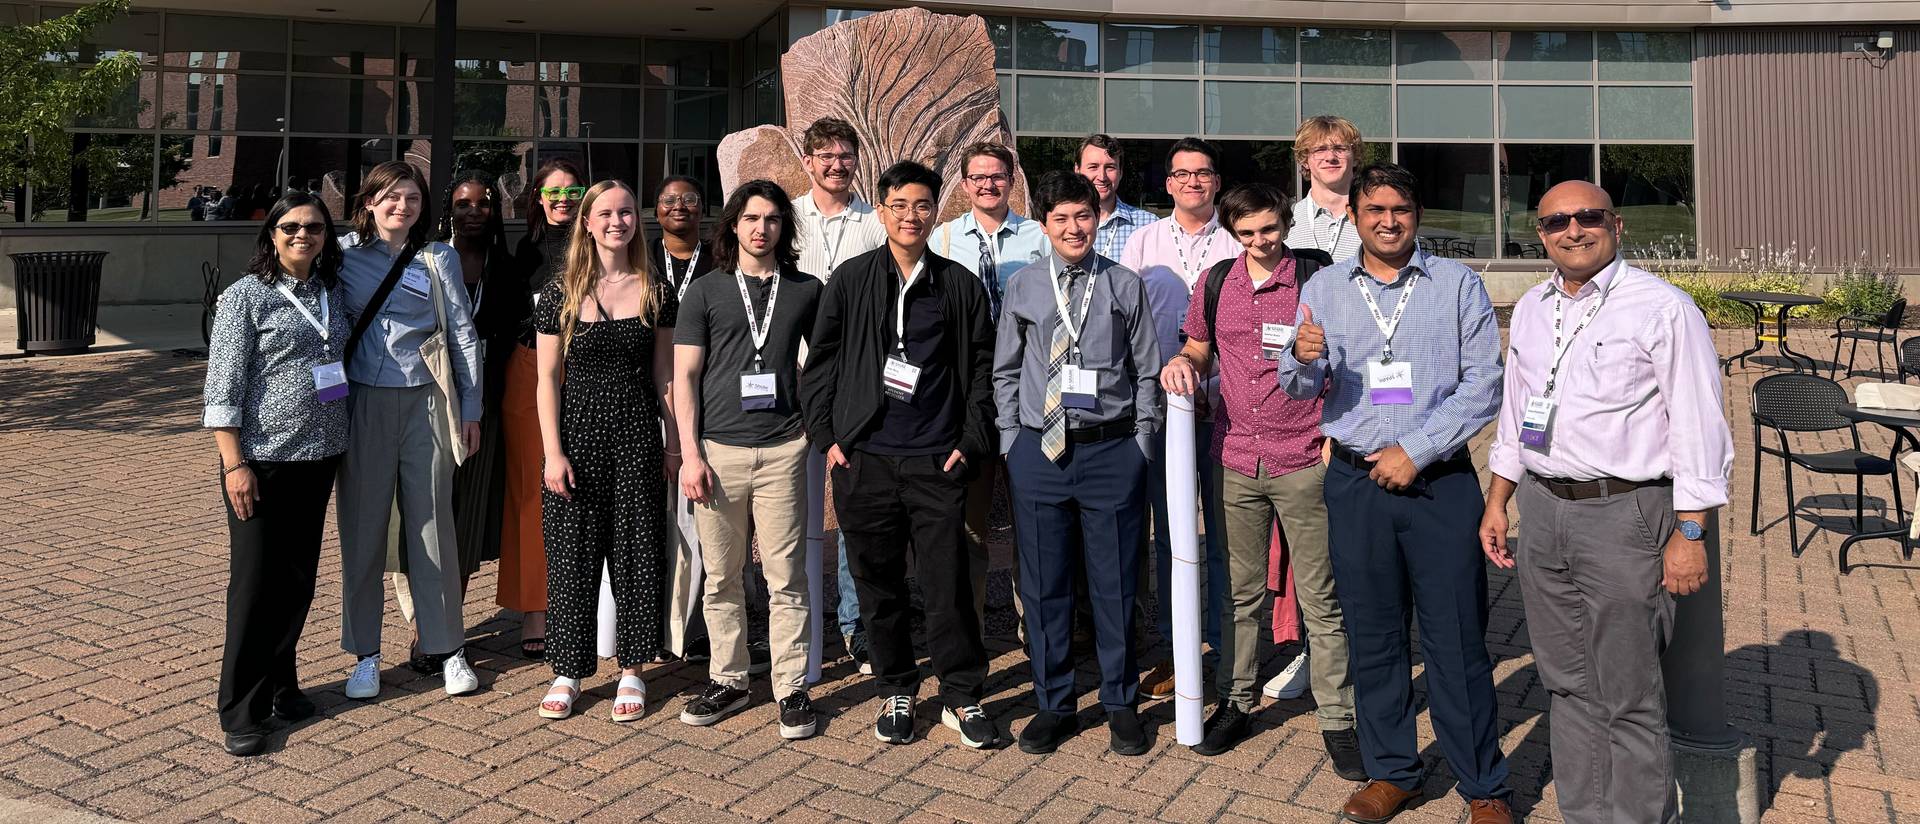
(555, 199)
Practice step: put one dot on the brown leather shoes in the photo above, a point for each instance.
(1489, 811)
(1377, 802)
(1158, 682)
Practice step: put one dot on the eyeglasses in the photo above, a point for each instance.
(1196, 175)
(291, 228)
(1556, 223)
(675, 201)
(563, 192)
(980, 181)
(921, 209)
(1340, 149)
(829, 158)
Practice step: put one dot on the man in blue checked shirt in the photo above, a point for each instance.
(1100, 163)
(1412, 350)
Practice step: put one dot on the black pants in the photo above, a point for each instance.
(274, 557)
(885, 504)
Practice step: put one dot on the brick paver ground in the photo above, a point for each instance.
(113, 564)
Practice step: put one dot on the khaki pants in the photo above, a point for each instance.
(1248, 507)
(756, 491)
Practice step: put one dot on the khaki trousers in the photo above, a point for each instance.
(756, 491)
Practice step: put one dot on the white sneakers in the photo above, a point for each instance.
(459, 675)
(365, 680)
(1292, 682)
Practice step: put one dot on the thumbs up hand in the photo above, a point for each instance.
(1310, 342)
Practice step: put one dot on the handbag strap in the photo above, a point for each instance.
(379, 300)
(437, 294)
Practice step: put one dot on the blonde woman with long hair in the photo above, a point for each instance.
(605, 351)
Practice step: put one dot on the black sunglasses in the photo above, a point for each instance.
(1587, 218)
(291, 228)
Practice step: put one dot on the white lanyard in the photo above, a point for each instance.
(758, 330)
(691, 262)
(1313, 225)
(319, 324)
(1179, 247)
(1060, 301)
(900, 306)
(1561, 346)
(1387, 325)
(833, 249)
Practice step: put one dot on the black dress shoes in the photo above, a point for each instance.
(1047, 731)
(1125, 735)
(245, 743)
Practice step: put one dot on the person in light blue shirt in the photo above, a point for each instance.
(990, 240)
(400, 447)
(1100, 162)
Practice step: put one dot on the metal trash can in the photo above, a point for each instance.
(58, 298)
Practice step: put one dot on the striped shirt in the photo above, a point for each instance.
(1448, 333)
(1316, 228)
(1111, 239)
(826, 242)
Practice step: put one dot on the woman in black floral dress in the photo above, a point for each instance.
(605, 347)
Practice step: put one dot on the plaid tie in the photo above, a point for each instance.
(1053, 434)
(990, 278)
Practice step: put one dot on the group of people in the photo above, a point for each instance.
(564, 407)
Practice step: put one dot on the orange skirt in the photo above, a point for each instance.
(523, 554)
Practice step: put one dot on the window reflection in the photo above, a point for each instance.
(333, 167)
(1056, 45)
(1652, 187)
(1526, 173)
(1456, 190)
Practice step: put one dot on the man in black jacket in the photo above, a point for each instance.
(898, 391)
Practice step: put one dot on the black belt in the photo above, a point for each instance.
(1123, 428)
(1584, 490)
(1358, 460)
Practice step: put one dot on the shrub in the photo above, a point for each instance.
(1861, 288)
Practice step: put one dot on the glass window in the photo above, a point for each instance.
(1006, 97)
(1446, 55)
(325, 104)
(763, 100)
(689, 63)
(1246, 107)
(334, 166)
(246, 171)
(226, 42)
(1137, 48)
(687, 114)
(496, 110)
(116, 186)
(583, 111)
(1546, 112)
(696, 160)
(1143, 174)
(136, 31)
(493, 55)
(342, 48)
(1058, 104)
(1652, 187)
(132, 108)
(1151, 106)
(198, 101)
(1261, 51)
(1364, 53)
(1000, 31)
(416, 107)
(1056, 45)
(1257, 161)
(1646, 113)
(416, 52)
(571, 59)
(1369, 106)
(834, 16)
(1546, 55)
(1646, 55)
(1526, 173)
(1456, 190)
(768, 42)
(601, 161)
(1445, 111)
(1038, 155)
(510, 163)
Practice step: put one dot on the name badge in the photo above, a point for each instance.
(415, 281)
(1274, 339)
(757, 391)
(329, 382)
(1533, 427)
(1390, 384)
(900, 378)
(1079, 388)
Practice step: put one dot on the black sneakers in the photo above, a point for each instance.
(1125, 736)
(713, 705)
(971, 721)
(1343, 749)
(895, 725)
(1228, 726)
(1046, 731)
(797, 719)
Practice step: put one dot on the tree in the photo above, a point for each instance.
(41, 98)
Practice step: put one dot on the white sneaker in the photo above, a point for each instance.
(1292, 682)
(365, 680)
(458, 675)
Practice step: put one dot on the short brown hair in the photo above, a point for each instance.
(1105, 143)
(383, 177)
(825, 131)
(1322, 128)
(1253, 198)
(996, 151)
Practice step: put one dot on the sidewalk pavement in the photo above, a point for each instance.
(145, 327)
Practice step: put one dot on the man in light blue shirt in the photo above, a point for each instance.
(1099, 163)
(990, 240)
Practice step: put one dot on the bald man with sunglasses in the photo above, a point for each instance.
(1613, 435)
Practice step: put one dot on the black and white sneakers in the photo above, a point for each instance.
(971, 721)
(895, 724)
(713, 705)
(797, 718)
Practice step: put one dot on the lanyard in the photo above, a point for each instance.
(833, 249)
(1560, 346)
(691, 262)
(1060, 301)
(1179, 247)
(1387, 325)
(1313, 225)
(755, 326)
(900, 306)
(319, 324)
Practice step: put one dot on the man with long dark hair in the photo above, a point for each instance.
(738, 341)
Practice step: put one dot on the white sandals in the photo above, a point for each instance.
(563, 691)
(630, 707)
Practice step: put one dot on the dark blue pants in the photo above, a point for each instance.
(1101, 487)
(1418, 548)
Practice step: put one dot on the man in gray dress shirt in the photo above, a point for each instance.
(1077, 395)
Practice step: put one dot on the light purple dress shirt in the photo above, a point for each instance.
(1638, 393)
(1155, 251)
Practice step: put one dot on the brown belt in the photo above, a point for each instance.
(1584, 490)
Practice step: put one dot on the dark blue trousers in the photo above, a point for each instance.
(1101, 487)
(1418, 549)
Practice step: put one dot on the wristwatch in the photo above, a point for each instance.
(1692, 530)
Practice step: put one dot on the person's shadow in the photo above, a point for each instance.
(1806, 745)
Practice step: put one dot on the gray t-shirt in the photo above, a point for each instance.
(713, 318)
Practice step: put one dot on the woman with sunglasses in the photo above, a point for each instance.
(403, 290)
(553, 201)
(276, 402)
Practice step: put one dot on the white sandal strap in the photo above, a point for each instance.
(564, 690)
(631, 682)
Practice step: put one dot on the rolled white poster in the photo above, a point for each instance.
(603, 620)
(689, 574)
(814, 505)
(1184, 535)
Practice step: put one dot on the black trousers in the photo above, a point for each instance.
(274, 558)
(887, 504)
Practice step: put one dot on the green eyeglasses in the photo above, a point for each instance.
(563, 192)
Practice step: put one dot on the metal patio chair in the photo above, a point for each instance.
(1801, 402)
